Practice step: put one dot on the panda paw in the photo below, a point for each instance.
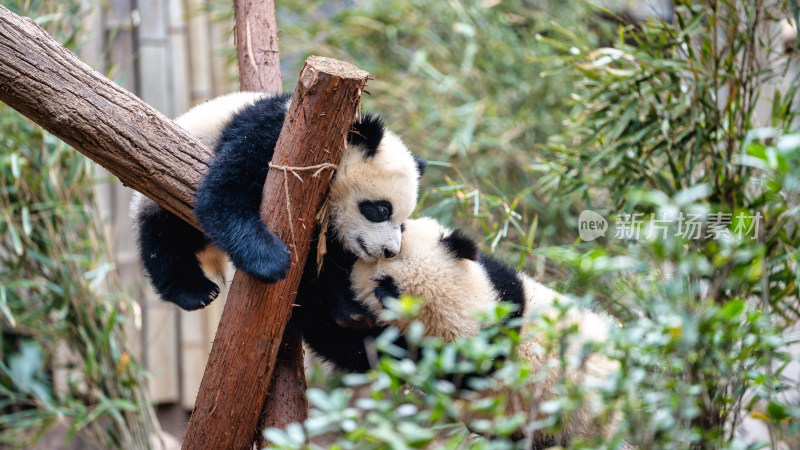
(386, 288)
(196, 297)
(267, 261)
(351, 314)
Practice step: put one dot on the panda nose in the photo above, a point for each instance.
(388, 254)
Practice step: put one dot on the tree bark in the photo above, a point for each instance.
(242, 358)
(54, 88)
(257, 35)
(286, 397)
(257, 46)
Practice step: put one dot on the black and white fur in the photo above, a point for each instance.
(373, 191)
(454, 281)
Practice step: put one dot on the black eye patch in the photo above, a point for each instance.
(375, 211)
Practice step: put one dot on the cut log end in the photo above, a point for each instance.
(334, 67)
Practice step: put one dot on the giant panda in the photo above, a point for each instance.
(372, 192)
(454, 281)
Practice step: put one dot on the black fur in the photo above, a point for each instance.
(387, 288)
(229, 198)
(334, 325)
(172, 263)
(368, 133)
(460, 245)
(505, 281)
(421, 165)
(375, 211)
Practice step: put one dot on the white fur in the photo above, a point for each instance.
(207, 120)
(453, 290)
(423, 268)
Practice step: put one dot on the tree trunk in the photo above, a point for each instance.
(242, 358)
(54, 88)
(257, 46)
(286, 397)
(257, 35)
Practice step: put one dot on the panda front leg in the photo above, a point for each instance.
(228, 203)
(168, 249)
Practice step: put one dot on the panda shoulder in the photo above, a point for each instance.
(207, 120)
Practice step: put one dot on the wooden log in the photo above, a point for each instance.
(143, 148)
(257, 45)
(257, 34)
(242, 358)
(286, 397)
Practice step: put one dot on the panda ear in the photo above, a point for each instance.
(421, 165)
(367, 133)
(461, 246)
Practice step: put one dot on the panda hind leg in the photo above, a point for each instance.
(168, 249)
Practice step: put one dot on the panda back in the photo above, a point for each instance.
(208, 120)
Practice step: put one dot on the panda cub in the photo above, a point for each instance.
(373, 191)
(454, 280)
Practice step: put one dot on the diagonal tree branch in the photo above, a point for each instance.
(54, 88)
(257, 36)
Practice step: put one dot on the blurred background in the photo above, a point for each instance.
(528, 118)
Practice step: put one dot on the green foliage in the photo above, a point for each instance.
(57, 326)
(678, 98)
(662, 128)
(665, 130)
(465, 69)
(410, 401)
(671, 367)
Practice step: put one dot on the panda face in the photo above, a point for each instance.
(371, 233)
(371, 196)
